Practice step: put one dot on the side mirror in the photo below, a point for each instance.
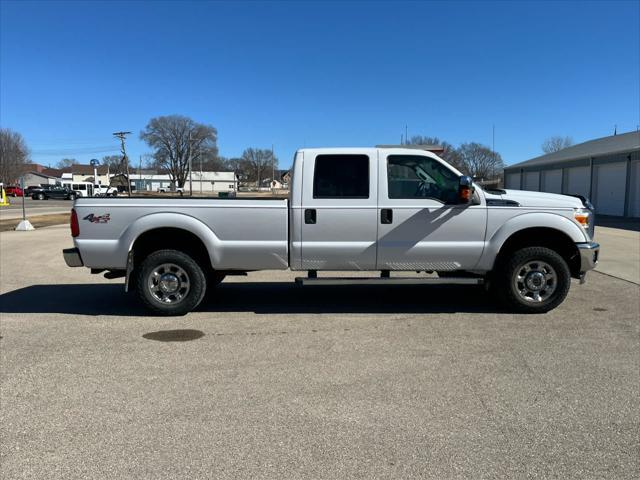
(465, 190)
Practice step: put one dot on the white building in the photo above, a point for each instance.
(605, 170)
(203, 182)
(213, 182)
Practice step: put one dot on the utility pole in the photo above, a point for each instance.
(493, 145)
(190, 169)
(273, 172)
(406, 137)
(122, 136)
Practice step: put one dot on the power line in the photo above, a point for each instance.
(69, 151)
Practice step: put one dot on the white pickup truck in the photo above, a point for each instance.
(384, 209)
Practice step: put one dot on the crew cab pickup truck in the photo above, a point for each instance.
(384, 210)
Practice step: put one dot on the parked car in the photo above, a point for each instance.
(168, 189)
(30, 190)
(385, 209)
(100, 190)
(54, 192)
(13, 191)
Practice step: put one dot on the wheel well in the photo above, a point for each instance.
(543, 237)
(170, 238)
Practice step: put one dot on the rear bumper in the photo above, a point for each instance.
(72, 257)
(589, 253)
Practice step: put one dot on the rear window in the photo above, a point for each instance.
(341, 176)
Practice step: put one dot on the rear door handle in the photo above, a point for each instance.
(386, 215)
(310, 216)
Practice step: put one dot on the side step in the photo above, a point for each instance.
(389, 281)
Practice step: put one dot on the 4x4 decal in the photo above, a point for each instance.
(98, 218)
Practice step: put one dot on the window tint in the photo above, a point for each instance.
(411, 176)
(341, 176)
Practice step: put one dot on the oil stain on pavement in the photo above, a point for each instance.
(174, 335)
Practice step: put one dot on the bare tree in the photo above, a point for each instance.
(66, 162)
(236, 165)
(450, 154)
(112, 162)
(177, 140)
(480, 161)
(13, 155)
(255, 161)
(555, 144)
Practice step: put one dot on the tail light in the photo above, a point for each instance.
(75, 226)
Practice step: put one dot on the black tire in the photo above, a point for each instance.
(72, 197)
(195, 280)
(41, 196)
(554, 282)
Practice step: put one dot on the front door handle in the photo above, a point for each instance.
(386, 216)
(310, 216)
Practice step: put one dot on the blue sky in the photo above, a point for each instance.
(297, 74)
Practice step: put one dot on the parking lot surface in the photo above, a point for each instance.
(33, 207)
(268, 380)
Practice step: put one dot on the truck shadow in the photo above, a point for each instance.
(257, 297)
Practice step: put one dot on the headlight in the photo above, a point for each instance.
(585, 218)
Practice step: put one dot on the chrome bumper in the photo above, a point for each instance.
(589, 253)
(72, 257)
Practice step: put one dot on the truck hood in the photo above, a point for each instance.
(538, 199)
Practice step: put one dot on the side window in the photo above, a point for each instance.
(341, 176)
(411, 176)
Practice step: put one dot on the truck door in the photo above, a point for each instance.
(339, 211)
(420, 226)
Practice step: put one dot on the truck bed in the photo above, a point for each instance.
(240, 233)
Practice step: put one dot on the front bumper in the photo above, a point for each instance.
(72, 257)
(589, 253)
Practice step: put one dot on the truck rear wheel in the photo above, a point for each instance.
(170, 282)
(533, 280)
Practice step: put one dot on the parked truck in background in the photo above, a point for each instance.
(386, 210)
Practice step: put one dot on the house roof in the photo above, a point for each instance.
(80, 169)
(33, 167)
(625, 142)
(52, 172)
(41, 174)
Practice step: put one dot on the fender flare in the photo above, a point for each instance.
(172, 220)
(522, 222)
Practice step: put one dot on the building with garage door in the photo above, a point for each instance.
(605, 170)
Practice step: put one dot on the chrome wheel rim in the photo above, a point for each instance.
(168, 283)
(535, 281)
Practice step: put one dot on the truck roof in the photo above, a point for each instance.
(407, 149)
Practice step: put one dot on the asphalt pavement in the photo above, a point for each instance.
(270, 380)
(33, 207)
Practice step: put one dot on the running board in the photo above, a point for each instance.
(389, 281)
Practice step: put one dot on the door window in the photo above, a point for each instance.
(341, 176)
(410, 176)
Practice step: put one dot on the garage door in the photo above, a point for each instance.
(552, 181)
(578, 181)
(532, 181)
(634, 192)
(513, 181)
(611, 182)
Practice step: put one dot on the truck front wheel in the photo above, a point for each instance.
(170, 282)
(533, 280)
